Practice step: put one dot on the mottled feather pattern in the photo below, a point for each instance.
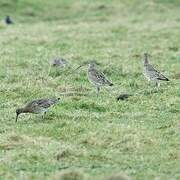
(37, 106)
(98, 77)
(154, 74)
(41, 104)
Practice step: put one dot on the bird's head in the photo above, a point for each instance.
(146, 55)
(92, 63)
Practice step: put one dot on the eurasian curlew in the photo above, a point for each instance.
(151, 73)
(39, 106)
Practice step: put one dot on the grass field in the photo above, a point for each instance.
(139, 137)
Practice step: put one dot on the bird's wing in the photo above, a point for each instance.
(43, 103)
(101, 77)
(157, 74)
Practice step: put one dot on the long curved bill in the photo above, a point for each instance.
(83, 64)
(78, 67)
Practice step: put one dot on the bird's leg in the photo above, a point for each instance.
(149, 82)
(98, 89)
(43, 115)
(157, 84)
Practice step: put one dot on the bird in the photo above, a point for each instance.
(59, 62)
(123, 96)
(96, 77)
(8, 20)
(38, 106)
(151, 73)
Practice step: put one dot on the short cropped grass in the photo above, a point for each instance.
(96, 136)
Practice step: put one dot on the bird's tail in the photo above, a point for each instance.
(109, 83)
(167, 79)
(163, 78)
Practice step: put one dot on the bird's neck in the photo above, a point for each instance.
(91, 66)
(146, 60)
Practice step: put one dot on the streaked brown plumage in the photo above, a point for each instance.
(96, 77)
(151, 73)
(37, 106)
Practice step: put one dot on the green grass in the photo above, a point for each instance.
(97, 136)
